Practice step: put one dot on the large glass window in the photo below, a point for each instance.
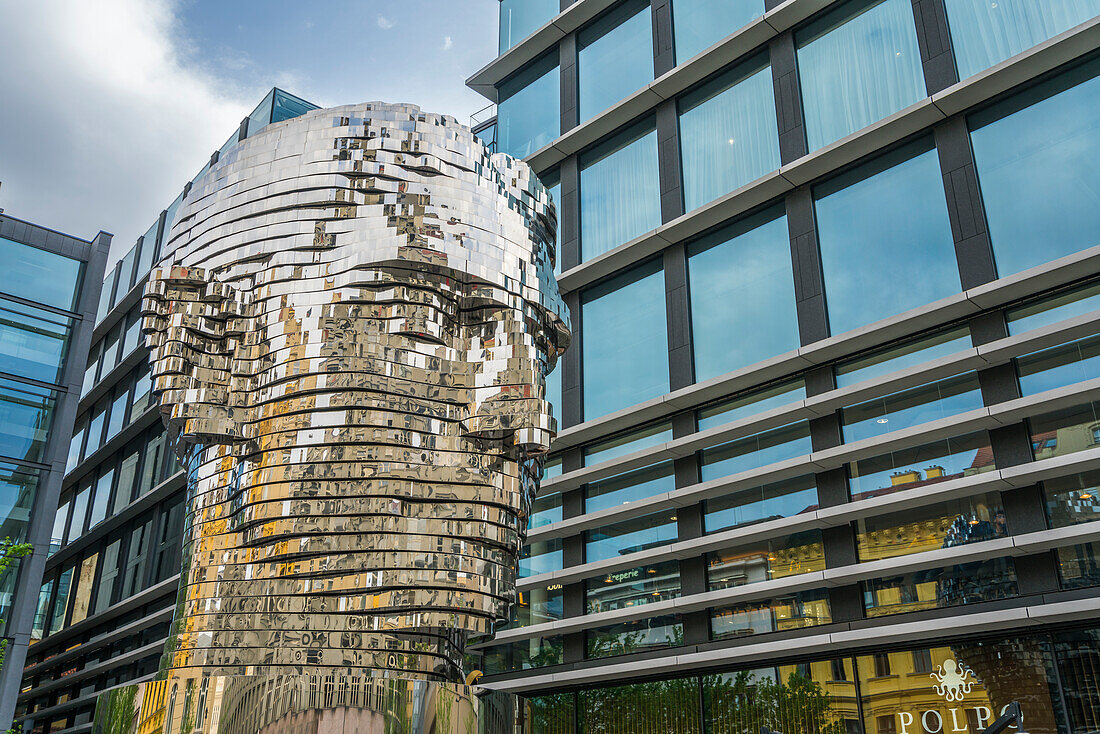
(552, 182)
(699, 24)
(665, 706)
(794, 611)
(651, 633)
(985, 33)
(628, 487)
(758, 504)
(728, 133)
(615, 57)
(858, 64)
(912, 407)
(627, 443)
(943, 525)
(105, 592)
(1065, 364)
(630, 536)
(755, 451)
(620, 191)
(624, 341)
(18, 487)
(741, 283)
(886, 243)
(40, 276)
(540, 557)
(536, 606)
(528, 116)
(1073, 499)
(1065, 431)
(633, 587)
(1034, 156)
(521, 18)
(756, 402)
(777, 558)
(1079, 566)
(918, 466)
(33, 342)
(118, 411)
(26, 413)
(903, 356)
(938, 588)
(1046, 311)
(534, 653)
(545, 510)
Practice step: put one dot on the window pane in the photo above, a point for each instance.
(777, 558)
(127, 473)
(615, 57)
(1079, 566)
(102, 498)
(80, 512)
(1065, 431)
(540, 557)
(553, 185)
(886, 243)
(699, 24)
(1035, 165)
(633, 708)
(60, 520)
(624, 342)
(1073, 499)
(751, 404)
(738, 277)
(814, 697)
(148, 250)
(1065, 305)
(758, 504)
(39, 276)
(528, 116)
(536, 606)
(104, 592)
(545, 511)
(912, 407)
(118, 412)
(627, 443)
(61, 601)
(521, 18)
(753, 452)
(635, 485)
(620, 192)
(904, 356)
(286, 106)
(939, 588)
(943, 525)
(801, 609)
(1065, 364)
(630, 536)
(630, 637)
(728, 133)
(986, 33)
(552, 714)
(919, 466)
(633, 587)
(18, 487)
(857, 65)
(26, 413)
(83, 592)
(39, 626)
(33, 342)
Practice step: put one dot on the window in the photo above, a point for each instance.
(552, 182)
(1065, 305)
(1065, 364)
(750, 404)
(911, 407)
(629, 487)
(33, 341)
(105, 590)
(132, 336)
(82, 594)
(627, 443)
(60, 522)
(903, 356)
(765, 560)
(18, 487)
(633, 587)
(545, 510)
(801, 609)
(758, 504)
(615, 57)
(26, 413)
(886, 244)
(80, 511)
(858, 64)
(931, 463)
(95, 428)
(882, 665)
(1064, 431)
(1079, 566)
(624, 342)
(631, 637)
(148, 250)
(137, 557)
(40, 276)
(528, 116)
(540, 557)
(728, 133)
(110, 351)
(41, 611)
(1033, 154)
(61, 600)
(1073, 499)
(986, 33)
(102, 497)
(118, 411)
(630, 536)
(699, 24)
(742, 276)
(167, 562)
(943, 525)
(127, 473)
(536, 606)
(521, 18)
(76, 444)
(755, 451)
(938, 588)
(620, 190)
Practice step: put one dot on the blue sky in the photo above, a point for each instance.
(112, 105)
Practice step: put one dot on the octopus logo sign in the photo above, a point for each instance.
(952, 679)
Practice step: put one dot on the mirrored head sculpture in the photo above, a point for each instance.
(349, 340)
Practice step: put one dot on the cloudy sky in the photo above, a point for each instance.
(110, 106)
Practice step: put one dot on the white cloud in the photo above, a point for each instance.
(447, 43)
(103, 122)
(385, 23)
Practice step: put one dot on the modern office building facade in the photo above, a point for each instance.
(48, 294)
(831, 421)
(109, 587)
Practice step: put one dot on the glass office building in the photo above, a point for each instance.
(48, 295)
(830, 423)
(105, 600)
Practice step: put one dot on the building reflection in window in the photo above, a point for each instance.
(802, 609)
(938, 588)
(931, 463)
(944, 525)
(633, 587)
(771, 559)
(651, 633)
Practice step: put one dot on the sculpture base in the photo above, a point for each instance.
(306, 705)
